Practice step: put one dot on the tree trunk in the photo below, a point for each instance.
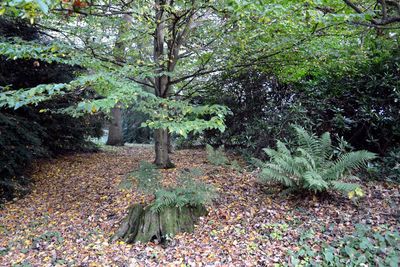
(161, 149)
(161, 85)
(166, 54)
(170, 146)
(115, 136)
(144, 225)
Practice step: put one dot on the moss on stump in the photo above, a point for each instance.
(144, 225)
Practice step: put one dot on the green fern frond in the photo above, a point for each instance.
(257, 163)
(310, 166)
(286, 163)
(348, 162)
(272, 175)
(216, 156)
(189, 192)
(148, 178)
(307, 141)
(308, 159)
(314, 181)
(344, 187)
(326, 145)
(281, 148)
(272, 153)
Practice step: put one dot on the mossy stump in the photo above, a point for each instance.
(144, 225)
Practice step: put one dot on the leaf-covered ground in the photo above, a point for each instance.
(76, 205)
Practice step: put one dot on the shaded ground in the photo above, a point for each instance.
(76, 206)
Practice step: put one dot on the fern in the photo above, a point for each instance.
(344, 187)
(311, 165)
(216, 156)
(349, 161)
(147, 177)
(189, 193)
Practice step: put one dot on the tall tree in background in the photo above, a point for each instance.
(115, 134)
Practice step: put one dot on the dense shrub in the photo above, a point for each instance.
(132, 130)
(216, 156)
(262, 110)
(27, 133)
(363, 108)
(311, 164)
(387, 167)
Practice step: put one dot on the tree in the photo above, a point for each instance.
(379, 13)
(115, 135)
(175, 29)
(120, 81)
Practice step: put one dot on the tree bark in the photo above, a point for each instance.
(144, 225)
(170, 146)
(115, 136)
(161, 84)
(166, 54)
(161, 148)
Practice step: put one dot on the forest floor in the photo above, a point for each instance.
(76, 205)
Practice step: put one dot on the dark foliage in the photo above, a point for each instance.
(364, 109)
(11, 27)
(132, 131)
(28, 73)
(262, 110)
(27, 133)
(387, 168)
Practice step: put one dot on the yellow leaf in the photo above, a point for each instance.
(94, 109)
(359, 192)
(351, 194)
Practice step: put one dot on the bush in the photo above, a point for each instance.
(132, 130)
(311, 165)
(390, 165)
(147, 177)
(262, 110)
(387, 168)
(363, 108)
(216, 156)
(190, 193)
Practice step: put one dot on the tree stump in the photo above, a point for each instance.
(144, 225)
